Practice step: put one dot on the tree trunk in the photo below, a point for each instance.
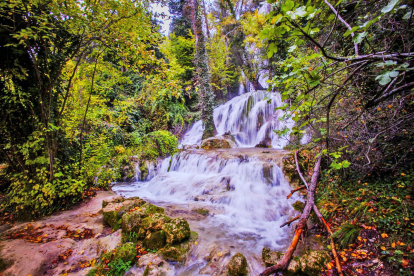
(203, 73)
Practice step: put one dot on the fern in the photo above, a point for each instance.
(346, 234)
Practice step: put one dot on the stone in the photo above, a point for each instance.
(177, 230)
(155, 240)
(218, 142)
(155, 222)
(109, 242)
(237, 266)
(265, 143)
(308, 264)
(178, 252)
(313, 262)
(114, 211)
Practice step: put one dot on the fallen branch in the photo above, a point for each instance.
(316, 210)
(295, 190)
(289, 222)
(283, 264)
(338, 264)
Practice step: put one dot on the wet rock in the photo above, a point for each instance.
(215, 262)
(113, 211)
(201, 211)
(155, 240)
(177, 230)
(179, 252)
(155, 222)
(265, 143)
(310, 263)
(237, 266)
(152, 264)
(114, 200)
(268, 172)
(109, 242)
(218, 142)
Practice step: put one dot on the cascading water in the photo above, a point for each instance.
(243, 188)
(250, 117)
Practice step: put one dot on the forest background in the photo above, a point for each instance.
(89, 88)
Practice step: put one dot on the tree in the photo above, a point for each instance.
(203, 72)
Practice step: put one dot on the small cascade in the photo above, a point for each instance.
(245, 190)
(251, 117)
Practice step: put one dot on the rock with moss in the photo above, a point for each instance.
(155, 222)
(218, 142)
(179, 252)
(114, 200)
(310, 263)
(113, 211)
(126, 252)
(177, 230)
(313, 262)
(271, 258)
(237, 266)
(155, 240)
(147, 215)
(298, 206)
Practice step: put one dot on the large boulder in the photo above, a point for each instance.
(177, 230)
(310, 263)
(218, 142)
(237, 266)
(155, 240)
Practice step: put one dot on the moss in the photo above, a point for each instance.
(249, 106)
(177, 230)
(313, 262)
(155, 222)
(237, 266)
(155, 240)
(146, 271)
(126, 252)
(202, 211)
(114, 211)
(298, 206)
(92, 272)
(178, 252)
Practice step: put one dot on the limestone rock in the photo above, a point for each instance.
(237, 266)
(113, 211)
(109, 242)
(126, 252)
(178, 252)
(218, 142)
(177, 230)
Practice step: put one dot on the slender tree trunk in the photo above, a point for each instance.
(203, 72)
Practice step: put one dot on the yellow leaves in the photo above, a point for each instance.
(219, 254)
(403, 174)
(383, 248)
(404, 263)
(379, 108)
(329, 265)
(195, 243)
(384, 235)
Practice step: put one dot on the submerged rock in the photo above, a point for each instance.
(237, 266)
(218, 142)
(310, 263)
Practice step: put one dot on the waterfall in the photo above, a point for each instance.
(245, 189)
(250, 117)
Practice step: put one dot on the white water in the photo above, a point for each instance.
(250, 117)
(244, 189)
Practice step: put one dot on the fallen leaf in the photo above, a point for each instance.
(383, 235)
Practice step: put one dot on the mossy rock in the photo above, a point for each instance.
(177, 230)
(268, 173)
(237, 266)
(313, 262)
(155, 240)
(178, 252)
(309, 264)
(202, 211)
(114, 200)
(218, 142)
(298, 206)
(126, 252)
(271, 258)
(155, 222)
(113, 211)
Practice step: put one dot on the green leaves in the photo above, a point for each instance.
(386, 77)
(390, 6)
(359, 37)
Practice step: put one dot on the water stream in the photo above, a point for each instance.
(243, 189)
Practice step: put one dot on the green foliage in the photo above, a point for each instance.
(347, 234)
(118, 267)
